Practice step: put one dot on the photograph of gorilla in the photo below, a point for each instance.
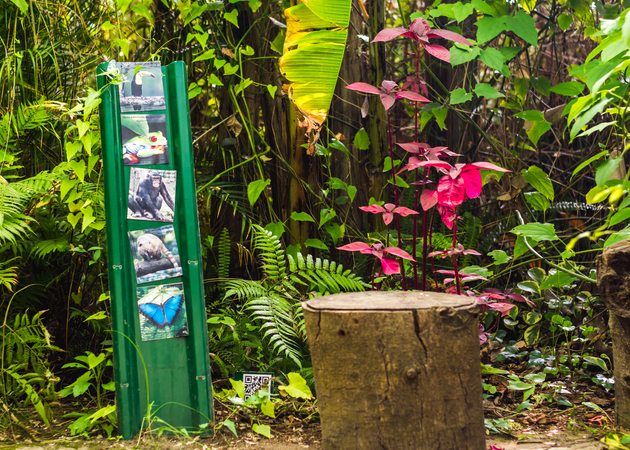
(151, 195)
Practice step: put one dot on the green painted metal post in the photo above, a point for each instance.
(167, 378)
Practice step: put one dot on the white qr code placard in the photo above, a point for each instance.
(254, 381)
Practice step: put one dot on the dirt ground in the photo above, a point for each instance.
(298, 438)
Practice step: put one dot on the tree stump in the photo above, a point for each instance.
(397, 370)
(613, 280)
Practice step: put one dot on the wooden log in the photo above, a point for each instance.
(613, 280)
(397, 370)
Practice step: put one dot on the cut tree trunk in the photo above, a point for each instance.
(613, 279)
(397, 370)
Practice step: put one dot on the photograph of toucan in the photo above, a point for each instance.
(142, 88)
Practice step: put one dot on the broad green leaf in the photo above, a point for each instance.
(238, 387)
(22, 5)
(313, 51)
(537, 130)
(462, 10)
(272, 90)
(232, 17)
(71, 149)
(230, 426)
(487, 369)
(325, 215)
(540, 181)
(565, 21)
(483, 7)
(461, 54)
(302, 216)
(440, 117)
(619, 216)
(267, 409)
(509, 52)
(532, 317)
(316, 243)
(541, 84)
(255, 188)
(524, 26)
(499, 256)
(537, 201)
(94, 360)
(586, 117)
(593, 360)
(460, 96)
(536, 377)
(276, 228)
(141, 10)
(204, 56)
(78, 166)
(556, 280)
(492, 58)
(264, 430)
(361, 140)
(488, 28)
(537, 231)
(485, 90)
(531, 115)
(297, 387)
(605, 170)
(569, 88)
(520, 247)
(229, 69)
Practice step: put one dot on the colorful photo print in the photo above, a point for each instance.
(151, 194)
(155, 254)
(162, 312)
(142, 88)
(144, 139)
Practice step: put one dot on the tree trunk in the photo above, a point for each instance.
(397, 370)
(613, 279)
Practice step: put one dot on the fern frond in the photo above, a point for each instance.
(271, 253)
(223, 270)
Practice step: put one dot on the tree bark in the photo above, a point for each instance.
(397, 370)
(613, 279)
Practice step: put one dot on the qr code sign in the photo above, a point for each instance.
(253, 382)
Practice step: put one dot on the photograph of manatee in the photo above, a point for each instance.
(142, 88)
(151, 194)
(144, 139)
(155, 254)
(162, 312)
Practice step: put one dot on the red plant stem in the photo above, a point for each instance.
(391, 158)
(454, 257)
(437, 289)
(415, 206)
(424, 236)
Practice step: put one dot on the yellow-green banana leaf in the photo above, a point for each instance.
(313, 51)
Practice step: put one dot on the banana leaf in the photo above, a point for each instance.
(312, 54)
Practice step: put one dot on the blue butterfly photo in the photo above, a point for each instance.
(162, 311)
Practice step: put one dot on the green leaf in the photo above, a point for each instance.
(460, 96)
(596, 128)
(520, 248)
(588, 161)
(297, 387)
(230, 426)
(325, 215)
(492, 58)
(361, 140)
(239, 387)
(440, 117)
(267, 409)
(537, 130)
(565, 21)
(557, 280)
(272, 90)
(487, 369)
(255, 188)
(461, 54)
(619, 216)
(71, 149)
(524, 26)
(509, 52)
(488, 28)
(232, 17)
(462, 10)
(531, 115)
(537, 378)
(593, 360)
(78, 167)
(499, 256)
(485, 90)
(483, 7)
(209, 54)
(316, 243)
(537, 201)
(605, 170)
(94, 360)
(532, 317)
(141, 10)
(22, 5)
(229, 69)
(302, 216)
(540, 181)
(541, 84)
(262, 429)
(537, 231)
(523, 405)
(569, 88)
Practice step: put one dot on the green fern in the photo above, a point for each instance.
(275, 301)
(223, 271)
(471, 229)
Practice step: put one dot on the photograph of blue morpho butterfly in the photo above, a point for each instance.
(162, 311)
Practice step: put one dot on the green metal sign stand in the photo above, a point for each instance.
(161, 359)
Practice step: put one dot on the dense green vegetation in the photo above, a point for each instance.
(531, 95)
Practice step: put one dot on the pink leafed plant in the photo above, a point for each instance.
(389, 266)
(388, 211)
(420, 31)
(389, 92)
